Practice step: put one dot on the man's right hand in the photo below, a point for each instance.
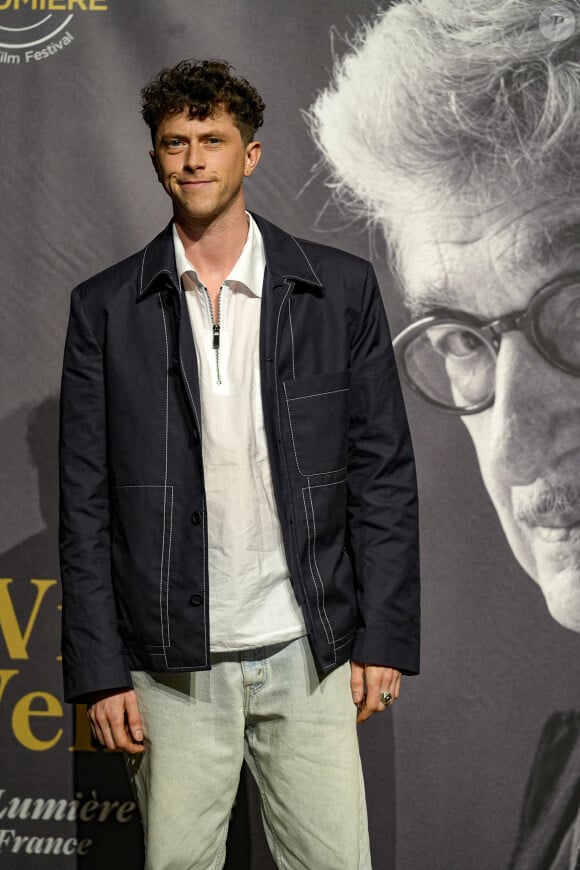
(115, 720)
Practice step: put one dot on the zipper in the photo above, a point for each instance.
(215, 326)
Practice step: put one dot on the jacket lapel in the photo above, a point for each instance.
(158, 276)
(287, 266)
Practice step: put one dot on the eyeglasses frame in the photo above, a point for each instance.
(491, 332)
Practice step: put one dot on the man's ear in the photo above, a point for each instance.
(253, 154)
(153, 157)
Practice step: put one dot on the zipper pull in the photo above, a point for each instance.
(216, 336)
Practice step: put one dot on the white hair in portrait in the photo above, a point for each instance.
(467, 98)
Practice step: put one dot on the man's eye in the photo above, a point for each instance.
(455, 342)
(558, 324)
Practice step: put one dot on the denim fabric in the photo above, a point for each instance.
(298, 735)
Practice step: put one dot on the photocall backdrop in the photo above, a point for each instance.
(447, 766)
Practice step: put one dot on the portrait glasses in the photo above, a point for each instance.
(449, 357)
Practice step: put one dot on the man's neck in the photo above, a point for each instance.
(214, 248)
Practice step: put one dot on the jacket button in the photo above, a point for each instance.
(196, 518)
(196, 599)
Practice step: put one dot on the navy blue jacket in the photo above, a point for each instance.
(133, 523)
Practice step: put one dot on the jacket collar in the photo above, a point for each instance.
(286, 260)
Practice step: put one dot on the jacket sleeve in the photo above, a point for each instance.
(91, 647)
(383, 505)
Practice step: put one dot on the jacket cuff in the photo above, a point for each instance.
(96, 677)
(391, 645)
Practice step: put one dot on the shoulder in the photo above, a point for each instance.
(328, 257)
(288, 253)
(111, 278)
(126, 276)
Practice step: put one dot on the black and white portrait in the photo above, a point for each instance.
(453, 128)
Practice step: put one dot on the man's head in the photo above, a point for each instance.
(455, 127)
(203, 120)
(200, 89)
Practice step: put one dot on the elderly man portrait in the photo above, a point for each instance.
(454, 128)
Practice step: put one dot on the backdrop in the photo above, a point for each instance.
(447, 767)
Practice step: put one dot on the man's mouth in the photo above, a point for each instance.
(551, 510)
(193, 182)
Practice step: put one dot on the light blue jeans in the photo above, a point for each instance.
(298, 736)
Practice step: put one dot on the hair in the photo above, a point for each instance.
(445, 98)
(202, 88)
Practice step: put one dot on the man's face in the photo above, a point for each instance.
(490, 263)
(201, 164)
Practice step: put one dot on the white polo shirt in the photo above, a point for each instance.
(251, 602)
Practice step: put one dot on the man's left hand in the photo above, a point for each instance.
(366, 684)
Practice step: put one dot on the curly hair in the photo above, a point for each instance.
(202, 87)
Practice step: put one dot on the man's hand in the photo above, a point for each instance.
(366, 684)
(115, 720)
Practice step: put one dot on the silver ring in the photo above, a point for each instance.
(386, 698)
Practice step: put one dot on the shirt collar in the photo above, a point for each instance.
(248, 269)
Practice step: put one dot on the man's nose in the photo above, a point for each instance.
(194, 157)
(524, 413)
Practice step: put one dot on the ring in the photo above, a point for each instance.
(386, 698)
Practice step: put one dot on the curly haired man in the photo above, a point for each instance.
(238, 505)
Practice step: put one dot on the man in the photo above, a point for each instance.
(464, 121)
(238, 504)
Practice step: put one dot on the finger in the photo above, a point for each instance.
(95, 727)
(110, 718)
(368, 709)
(134, 717)
(357, 682)
(378, 681)
(121, 735)
(392, 686)
(372, 702)
(106, 730)
(375, 680)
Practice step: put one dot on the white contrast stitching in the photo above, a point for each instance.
(168, 569)
(275, 356)
(276, 389)
(142, 269)
(332, 483)
(151, 646)
(316, 562)
(204, 532)
(291, 337)
(314, 395)
(139, 486)
(189, 391)
(346, 634)
(166, 466)
(205, 594)
(345, 642)
(313, 544)
(310, 554)
(303, 473)
(306, 258)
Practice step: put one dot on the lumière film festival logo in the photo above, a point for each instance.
(34, 30)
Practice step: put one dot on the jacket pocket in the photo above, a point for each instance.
(318, 408)
(141, 554)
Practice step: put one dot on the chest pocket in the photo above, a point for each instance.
(318, 412)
